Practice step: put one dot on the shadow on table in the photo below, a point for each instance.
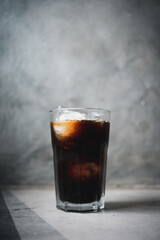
(143, 204)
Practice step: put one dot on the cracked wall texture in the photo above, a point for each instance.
(82, 53)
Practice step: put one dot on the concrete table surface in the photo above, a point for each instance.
(32, 214)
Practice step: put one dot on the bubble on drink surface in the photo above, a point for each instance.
(71, 115)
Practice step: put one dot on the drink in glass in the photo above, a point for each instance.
(80, 142)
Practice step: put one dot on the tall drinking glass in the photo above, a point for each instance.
(80, 138)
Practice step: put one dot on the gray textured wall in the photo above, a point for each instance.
(82, 53)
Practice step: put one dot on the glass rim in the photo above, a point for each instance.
(79, 108)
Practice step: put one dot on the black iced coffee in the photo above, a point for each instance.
(80, 153)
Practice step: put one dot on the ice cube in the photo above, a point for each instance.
(95, 116)
(65, 129)
(84, 171)
(71, 115)
(66, 124)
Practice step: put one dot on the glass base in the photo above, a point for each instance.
(85, 207)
